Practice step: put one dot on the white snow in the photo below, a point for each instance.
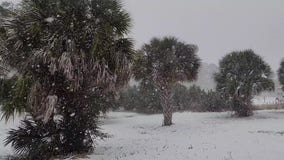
(49, 19)
(194, 136)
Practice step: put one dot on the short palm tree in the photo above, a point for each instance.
(242, 75)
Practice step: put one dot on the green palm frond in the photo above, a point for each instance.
(168, 60)
(14, 96)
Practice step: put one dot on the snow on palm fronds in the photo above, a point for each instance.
(50, 104)
(65, 64)
(75, 55)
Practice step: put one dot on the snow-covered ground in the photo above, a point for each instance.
(194, 136)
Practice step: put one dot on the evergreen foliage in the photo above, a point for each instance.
(149, 98)
(129, 99)
(281, 74)
(71, 57)
(212, 101)
(166, 62)
(243, 74)
(5, 12)
(184, 99)
(181, 98)
(143, 99)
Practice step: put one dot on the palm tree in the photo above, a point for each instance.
(69, 54)
(166, 62)
(243, 74)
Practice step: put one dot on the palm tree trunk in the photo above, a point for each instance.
(242, 107)
(167, 104)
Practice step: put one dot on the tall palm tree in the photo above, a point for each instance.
(166, 62)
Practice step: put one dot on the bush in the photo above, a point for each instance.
(213, 102)
(143, 99)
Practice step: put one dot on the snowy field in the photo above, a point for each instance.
(194, 136)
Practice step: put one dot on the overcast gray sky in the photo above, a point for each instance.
(216, 26)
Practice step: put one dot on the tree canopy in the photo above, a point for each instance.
(243, 74)
(167, 61)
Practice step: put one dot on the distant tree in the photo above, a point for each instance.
(71, 56)
(149, 98)
(166, 62)
(181, 97)
(142, 99)
(196, 94)
(129, 99)
(281, 74)
(243, 74)
(196, 99)
(212, 101)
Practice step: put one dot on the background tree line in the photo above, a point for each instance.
(144, 98)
